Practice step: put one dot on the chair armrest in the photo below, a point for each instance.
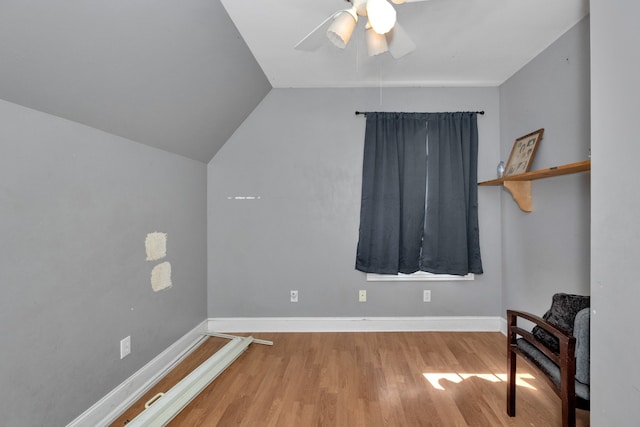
(567, 342)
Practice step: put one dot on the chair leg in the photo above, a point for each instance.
(568, 389)
(511, 383)
(568, 412)
(568, 403)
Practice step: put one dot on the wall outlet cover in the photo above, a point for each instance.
(426, 295)
(362, 295)
(125, 347)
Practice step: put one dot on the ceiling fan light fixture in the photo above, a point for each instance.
(382, 15)
(341, 29)
(361, 7)
(376, 43)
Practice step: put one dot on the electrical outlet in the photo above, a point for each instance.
(125, 347)
(426, 295)
(294, 295)
(362, 295)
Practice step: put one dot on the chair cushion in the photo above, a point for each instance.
(547, 366)
(562, 313)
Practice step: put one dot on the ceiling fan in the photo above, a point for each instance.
(382, 32)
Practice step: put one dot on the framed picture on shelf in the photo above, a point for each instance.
(522, 153)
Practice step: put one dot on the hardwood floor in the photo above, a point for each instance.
(444, 379)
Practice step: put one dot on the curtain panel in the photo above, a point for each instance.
(419, 206)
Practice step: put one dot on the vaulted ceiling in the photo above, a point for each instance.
(183, 75)
(458, 42)
(171, 74)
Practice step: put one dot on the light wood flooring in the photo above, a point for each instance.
(447, 379)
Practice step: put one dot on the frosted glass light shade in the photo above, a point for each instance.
(341, 29)
(376, 43)
(382, 15)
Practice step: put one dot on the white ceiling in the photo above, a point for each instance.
(179, 76)
(459, 42)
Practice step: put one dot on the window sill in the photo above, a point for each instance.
(420, 276)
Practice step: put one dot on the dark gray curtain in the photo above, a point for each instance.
(393, 193)
(451, 239)
(408, 155)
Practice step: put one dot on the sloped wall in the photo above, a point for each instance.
(75, 207)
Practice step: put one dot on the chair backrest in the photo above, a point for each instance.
(561, 314)
(581, 329)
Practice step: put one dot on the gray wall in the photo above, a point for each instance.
(301, 153)
(547, 251)
(615, 248)
(75, 207)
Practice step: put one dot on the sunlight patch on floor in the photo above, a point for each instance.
(434, 378)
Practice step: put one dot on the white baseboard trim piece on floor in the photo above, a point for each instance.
(167, 405)
(355, 324)
(107, 409)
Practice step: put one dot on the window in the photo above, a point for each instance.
(419, 212)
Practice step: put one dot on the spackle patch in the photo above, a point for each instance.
(161, 277)
(156, 246)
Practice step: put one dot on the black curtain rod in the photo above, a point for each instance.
(364, 113)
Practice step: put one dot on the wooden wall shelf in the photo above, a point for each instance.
(520, 185)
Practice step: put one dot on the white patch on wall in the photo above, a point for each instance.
(161, 277)
(156, 245)
(243, 197)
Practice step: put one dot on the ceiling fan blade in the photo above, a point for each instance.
(315, 38)
(399, 41)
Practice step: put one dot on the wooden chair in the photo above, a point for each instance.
(565, 370)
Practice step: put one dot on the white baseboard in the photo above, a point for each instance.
(503, 326)
(107, 409)
(353, 324)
